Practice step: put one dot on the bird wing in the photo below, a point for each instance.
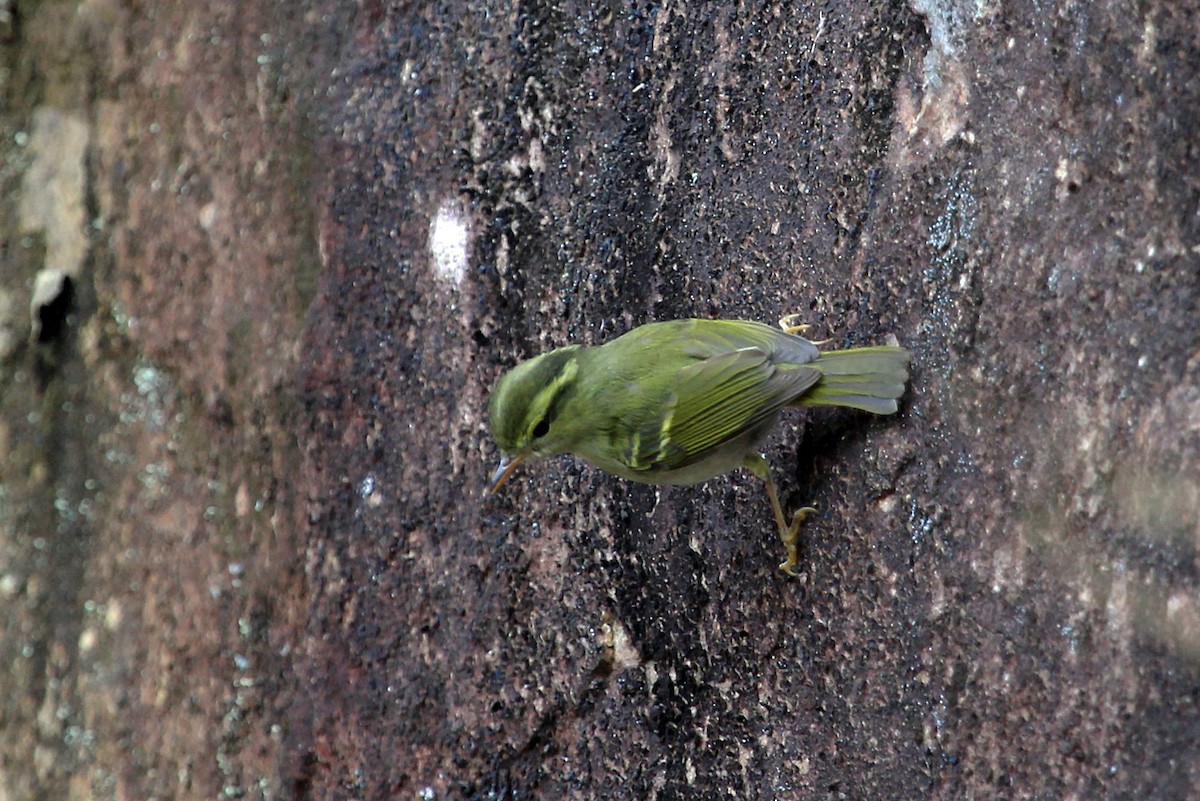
(703, 339)
(716, 399)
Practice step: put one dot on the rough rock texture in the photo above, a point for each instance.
(157, 261)
(243, 545)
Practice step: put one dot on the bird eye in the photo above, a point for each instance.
(542, 428)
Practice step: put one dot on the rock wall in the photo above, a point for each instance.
(262, 264)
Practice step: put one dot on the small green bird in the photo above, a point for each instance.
(684, 401)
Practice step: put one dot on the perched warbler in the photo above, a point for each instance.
(683, 401)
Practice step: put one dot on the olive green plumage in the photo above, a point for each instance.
(683, 401)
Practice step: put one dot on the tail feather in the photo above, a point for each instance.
(871, 379)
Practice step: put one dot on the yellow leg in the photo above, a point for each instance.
(790, 535)
(790, 325)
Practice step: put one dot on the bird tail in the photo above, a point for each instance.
(871, 379)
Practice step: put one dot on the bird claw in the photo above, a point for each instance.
(791, 540)
(757, 463)
(790, 323)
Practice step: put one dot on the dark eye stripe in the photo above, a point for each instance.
(550, 398)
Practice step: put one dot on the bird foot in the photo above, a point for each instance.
(791, 539)
(791, 325)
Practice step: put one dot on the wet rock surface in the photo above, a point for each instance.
(245, 546)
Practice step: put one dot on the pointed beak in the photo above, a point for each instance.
(505, 469)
